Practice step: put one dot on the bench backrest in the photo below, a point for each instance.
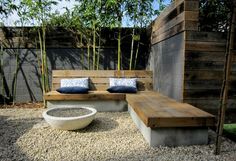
(99, 79)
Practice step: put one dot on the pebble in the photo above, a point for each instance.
(111, 136)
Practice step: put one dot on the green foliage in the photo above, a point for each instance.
(214, 15)
(230, 128)
(38, 11)
(229, 131)
(7, 7)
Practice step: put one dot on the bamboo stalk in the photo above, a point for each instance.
(119, 50)
(42, 62)
(225, 84)
(131, 51)
(94, 45)
(45, 61)
(136, 56)
(99, 47)
(15, 78)
(1, 70)
(88, 52)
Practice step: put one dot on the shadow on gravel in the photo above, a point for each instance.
(100, 124)
(10, 131)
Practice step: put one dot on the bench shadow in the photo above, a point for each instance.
(99, 124)
(10, 132)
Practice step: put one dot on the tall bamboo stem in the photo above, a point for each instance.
(131, 51)
(99, 47)
(88, 52)
(119, 50)
(15, 77)
(45, 60)
(136, 56)
(42, 61)
(94, 45)
(225, 85)
(1, 70)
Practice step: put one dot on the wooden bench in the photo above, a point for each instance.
(161, 120)
(99, 82)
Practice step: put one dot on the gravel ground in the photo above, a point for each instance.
(25, 136)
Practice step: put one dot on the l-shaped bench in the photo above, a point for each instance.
(161, 120)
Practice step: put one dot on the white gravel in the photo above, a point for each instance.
(24, 135)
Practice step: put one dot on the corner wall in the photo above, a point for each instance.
(167, 64)
(188, 64)
(168, 46)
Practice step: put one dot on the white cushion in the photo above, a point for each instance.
(75, 82)
(130, 82)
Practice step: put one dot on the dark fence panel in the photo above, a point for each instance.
(63, 52)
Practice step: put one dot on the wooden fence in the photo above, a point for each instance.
(202, 56)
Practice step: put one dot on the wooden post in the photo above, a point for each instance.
(225, 84)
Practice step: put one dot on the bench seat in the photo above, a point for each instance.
(92, 95)
(164, 121)
(156, 110)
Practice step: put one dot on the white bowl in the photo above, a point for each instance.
(69, 123)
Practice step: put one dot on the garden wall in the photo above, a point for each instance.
(204, 65)
(187, 63)
(63, 51)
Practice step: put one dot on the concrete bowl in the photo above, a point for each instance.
(69, 123)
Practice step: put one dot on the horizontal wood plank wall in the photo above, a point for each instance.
(180, 16)
(168, 46)
(99, 79)
(203, 52)
(204, 65)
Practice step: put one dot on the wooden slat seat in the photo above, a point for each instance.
(98, 82)
(99, 79)
(92, 95)
(156, 110)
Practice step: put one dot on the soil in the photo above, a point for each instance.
(24, 105)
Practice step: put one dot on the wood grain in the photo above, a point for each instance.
(156, 110)
(91, 96)
(99, 79)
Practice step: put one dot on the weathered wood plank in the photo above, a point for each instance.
(209, 84)
(191, 15)
(191, 5)
(178, 19)
(191, 25)
(205, 56)
(173, 31)
(209, 103)
(79, 97)
(99, 79)
(141, 86)
(205, 36)
(204, 46)
(81, 73)
(206, 75)
(188, 16)
(156, 110)
(205, 65)
(206, 93)
(104, 80)
(101, 73)
(133, 73)
(159, 21)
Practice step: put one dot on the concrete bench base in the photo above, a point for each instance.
(101, 106)
(175, 136)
